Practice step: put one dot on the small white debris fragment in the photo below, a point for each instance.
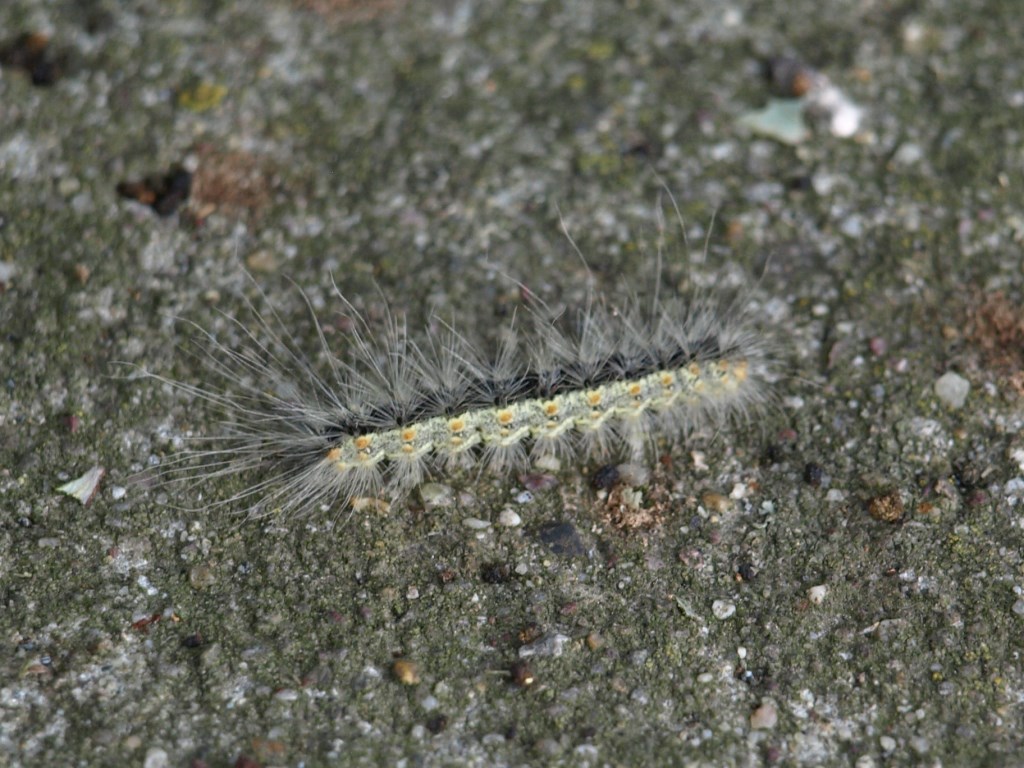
(7, 272)
(817, 594)
(476, 524)
(156, 758)
(436, 495)
(780, 119)
(844, 117)
(509, 518)
(952, 389)
(549, 645)
(84, 487)
(723, 609)
(1017, 455)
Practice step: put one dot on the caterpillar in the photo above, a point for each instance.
(611, 378)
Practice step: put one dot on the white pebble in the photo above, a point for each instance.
(817, 594)
(548, 645)
(476, 523)
(429, 703)
(723, 609)
(509, 519)
(952, 389)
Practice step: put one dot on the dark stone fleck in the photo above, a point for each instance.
(562, 539)
(813, 474)
(605, 478)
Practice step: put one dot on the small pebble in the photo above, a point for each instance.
(202, 576)
(764, 717)
(562, 539)
(549, 645)
(723, 609)
(716, 502)
(634, 474)
(406, 671)
(436, 495)
(887, 507)
(476, 524)
(952, 389)
(605, 478)
(536, 482)
(262, 261)
(549, 463)
(817, 594)
(813, 474)
(521, 675)
(509, 518)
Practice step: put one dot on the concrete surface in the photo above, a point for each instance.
(836, 580)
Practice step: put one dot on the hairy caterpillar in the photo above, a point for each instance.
(611, 380)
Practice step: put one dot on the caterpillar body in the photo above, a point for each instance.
(614, 379)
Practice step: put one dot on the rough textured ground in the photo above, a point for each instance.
(837, 581)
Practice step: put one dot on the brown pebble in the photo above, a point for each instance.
(764, 717)
(716, 502)
(520, 674)
(788, 76)
(405, 671)
(888, 507)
